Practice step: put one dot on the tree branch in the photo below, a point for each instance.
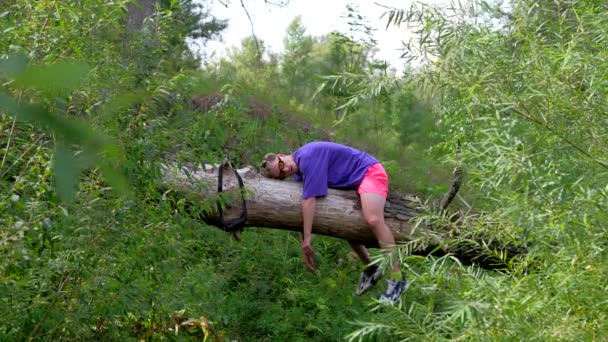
(255, 39)
(560, 136)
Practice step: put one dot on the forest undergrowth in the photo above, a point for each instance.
(92, 102)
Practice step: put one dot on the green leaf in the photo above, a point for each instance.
(112, 173)
(122, 102)
(60, 76)
(8, 104)
(73, 130)
(13, 65)
(65, 170)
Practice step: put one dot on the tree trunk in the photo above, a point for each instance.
(138, 11)
(275, 204)
(141, 32)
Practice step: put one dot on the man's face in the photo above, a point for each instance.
(282, 167)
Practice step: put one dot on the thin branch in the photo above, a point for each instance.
(255, 39)
(10, 137)
(8, 144)
(560, 136)
(461, 199)
(456, 183)
(283, 3)
(32, 145)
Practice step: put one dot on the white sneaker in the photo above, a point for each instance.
(394, 291)
(369, 277)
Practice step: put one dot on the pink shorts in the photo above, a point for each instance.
(374, 181)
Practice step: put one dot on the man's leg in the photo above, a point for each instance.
(373, 212)
(371, 273)
(361, 252)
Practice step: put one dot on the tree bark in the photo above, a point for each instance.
(137, 12)
(275, 204)
(141, 32)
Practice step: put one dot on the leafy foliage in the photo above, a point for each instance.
(88, 107)
(510, 84)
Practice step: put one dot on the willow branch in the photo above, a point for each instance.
(560, 136)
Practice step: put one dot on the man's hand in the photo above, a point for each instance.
(308, 215)
(308, 254)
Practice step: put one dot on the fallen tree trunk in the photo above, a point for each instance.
(272, 203)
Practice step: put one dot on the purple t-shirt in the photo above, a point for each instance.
(324, 165)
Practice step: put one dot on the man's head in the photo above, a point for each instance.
(278, 166)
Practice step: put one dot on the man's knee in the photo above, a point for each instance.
(374, 220)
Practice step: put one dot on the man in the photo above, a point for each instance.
(322, 165)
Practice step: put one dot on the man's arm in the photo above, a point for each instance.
(308, 216)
